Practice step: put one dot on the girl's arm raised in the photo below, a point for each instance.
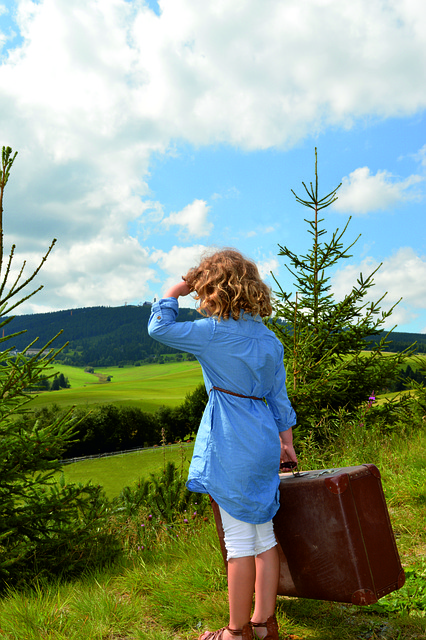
(192, 337)
(179, 289)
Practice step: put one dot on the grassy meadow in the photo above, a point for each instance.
(146, 387)
(176, 587)
(115, 472)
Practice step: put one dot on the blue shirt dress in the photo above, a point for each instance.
(237, 450)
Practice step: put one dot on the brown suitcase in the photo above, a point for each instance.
(334, 536)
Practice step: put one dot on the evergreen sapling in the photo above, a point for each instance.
(46, 527)
(333, 358)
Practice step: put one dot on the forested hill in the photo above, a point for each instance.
(97, 336)
(106, 336)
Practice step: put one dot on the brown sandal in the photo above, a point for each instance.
(271, 628)
(246, 633)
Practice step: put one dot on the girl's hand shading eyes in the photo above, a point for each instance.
(179, 289)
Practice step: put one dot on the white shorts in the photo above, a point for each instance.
(244, 539)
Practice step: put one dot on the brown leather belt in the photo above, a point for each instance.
(239, 395)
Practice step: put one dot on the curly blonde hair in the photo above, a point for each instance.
(226, 282)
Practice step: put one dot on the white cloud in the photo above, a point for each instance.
(420, 156)
(103, 271)
(231, 193)
(192, 219)
(96, 87)
(93, 79)
(402, 275)
(91, 71)
(363, 192)
(259, 231)
(218, 72)
(176, 263)
(267, 265)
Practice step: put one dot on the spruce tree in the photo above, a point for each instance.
(333, 356)
(46, 527)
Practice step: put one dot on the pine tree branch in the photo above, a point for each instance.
(7, 161)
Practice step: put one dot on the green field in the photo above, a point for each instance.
(115, 472)
(415, 362)
(146, 387)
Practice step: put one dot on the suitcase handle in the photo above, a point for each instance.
(290, 465)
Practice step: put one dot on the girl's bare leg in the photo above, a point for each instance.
(267, 575)
(241, 580)
(248, 575)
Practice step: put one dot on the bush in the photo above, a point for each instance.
(164, 495)
(143, 513)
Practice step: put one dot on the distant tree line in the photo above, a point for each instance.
(399, 341)
(108, 428)
(406, 377)
(97, 336)
(50, 384)
(110, 336)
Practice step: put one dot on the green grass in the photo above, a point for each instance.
(177, 588)
(116, 472)
(177, 591)
(146, 387)
(417, 362)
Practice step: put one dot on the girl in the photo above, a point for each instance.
(246, 427)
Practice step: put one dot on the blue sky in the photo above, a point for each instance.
(148, 132)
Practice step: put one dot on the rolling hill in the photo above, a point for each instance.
(110, 336)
